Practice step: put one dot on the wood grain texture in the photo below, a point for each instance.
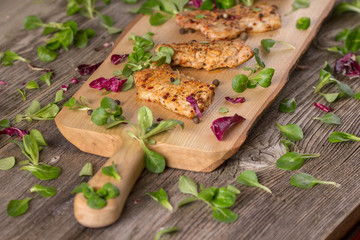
(195, 148)
(290, 213)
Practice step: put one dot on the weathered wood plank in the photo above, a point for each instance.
(289, 213)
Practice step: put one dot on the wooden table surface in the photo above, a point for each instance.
(323, 212)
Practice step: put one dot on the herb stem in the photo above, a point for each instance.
(265, 188)
(329, 183)
(287, 44)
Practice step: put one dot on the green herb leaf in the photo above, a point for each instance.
(287, 105)
(32, 148)
(248, 3)
(32, 22)
(81, 188)
(111, 171)
(45, 54)
(162, 198)
(32, 85)
(95, 201)
(44, 191)
(44, 171)
(36, 134)
(336, 137)
(263, 78)
(303, 180)
(331, 97)
(293, 160)
(86, 170)
(303, 23)
(59, 96)
(9, 57)
(330, 118)
(7, 163)
(18, 207)
(269, 43)
(260, 63)
(200, 16)
(344, 88)
(224, 198)
(342, 35)
(158, 19)
(145, 119)
(223, 110)
(163, 126)
(128, 84)
(233, 189)
(357, 96)
(187, 185)
(299, 4)
(239, 83)
(291, 131)
(348, 7)
(5, 123)
(99, 116)
(46, 78)
(250, 179)
(163, 231)
(224, 215)
(187, 200)
(154, 162)
(288, 145)
(22, 92)
(112, 191)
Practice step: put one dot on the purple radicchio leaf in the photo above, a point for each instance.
(107, 45)
(64, 87)
(3, 83)
(194, 105)
(87, 69)
(117, 58)
(75, 80)
(348, 66)
(235, 100)
(113, 84)
(323, 107)
(220, 125)
(195, 3)
(11, 131)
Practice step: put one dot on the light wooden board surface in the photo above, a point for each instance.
(292, 213)
(194, 148)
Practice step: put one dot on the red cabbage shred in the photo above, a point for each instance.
(113, 84)
(12, 131)
(194, 105)
(117, 58)
(87, 69)
(235, 100)
(323, 107)
(220, 125)
(348, 66)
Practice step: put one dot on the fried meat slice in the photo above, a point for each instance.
(210, 55)
(156, 84)
(229, 23)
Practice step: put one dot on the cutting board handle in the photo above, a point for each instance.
(129, 162)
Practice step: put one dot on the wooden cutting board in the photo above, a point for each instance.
(195, 148)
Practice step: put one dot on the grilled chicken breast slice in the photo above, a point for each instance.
(229, 23)
(155, 84)
(210, 55)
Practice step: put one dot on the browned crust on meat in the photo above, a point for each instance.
(229, 23)
(210, 55)
(154, 85)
